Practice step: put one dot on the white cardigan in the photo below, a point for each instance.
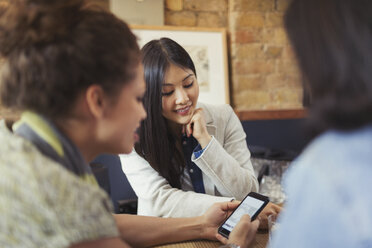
(225, 164)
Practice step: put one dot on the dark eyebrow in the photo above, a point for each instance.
(191, 74)
(169, 84)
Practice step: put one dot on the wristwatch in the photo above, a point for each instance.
(230, 246)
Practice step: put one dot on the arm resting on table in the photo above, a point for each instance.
(144, 231)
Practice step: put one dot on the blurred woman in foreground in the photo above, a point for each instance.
(328, 186)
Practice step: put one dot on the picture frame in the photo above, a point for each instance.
(208, 50)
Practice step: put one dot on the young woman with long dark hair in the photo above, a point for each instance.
(190, 154)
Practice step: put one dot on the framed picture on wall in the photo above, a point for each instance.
(207, 48)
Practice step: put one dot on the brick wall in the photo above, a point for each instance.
(263, 71)
(196, 13)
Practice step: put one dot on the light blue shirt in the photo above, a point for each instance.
(329, 189)
(198, 151)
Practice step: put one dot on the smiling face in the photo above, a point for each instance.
(180, 94)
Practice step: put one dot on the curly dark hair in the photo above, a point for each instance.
(333, 43)
(55, 49)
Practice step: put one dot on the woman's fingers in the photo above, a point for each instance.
(189, 128)
(221, 238)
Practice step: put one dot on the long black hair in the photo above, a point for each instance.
(333, 43)
(158, 145)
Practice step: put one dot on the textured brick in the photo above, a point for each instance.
(247, 51)
(272, 105)
(182, 18)
(253, 5)
(280, 37)
(294, 81)
(275, 36)
(276, 81)
(253, 82)
(252, 99)
(282, 5)
(273, 52)
(283, 81)
(288, 53)
(274, 19)
(245, 36)
(289, 67)
(211, 19)
(174, 5)
(206, 5)
(268, 36)
(287, 98)
(250, 20)
(253, 67)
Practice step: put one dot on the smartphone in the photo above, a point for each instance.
(252, 205)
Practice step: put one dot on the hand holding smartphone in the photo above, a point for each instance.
(252, 205)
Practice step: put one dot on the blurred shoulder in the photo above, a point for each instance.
(340, 145)
(42, 188)
(335, 155)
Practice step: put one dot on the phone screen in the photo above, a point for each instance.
(252, 205)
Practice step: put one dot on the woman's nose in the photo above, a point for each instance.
(181, 97)
(143, 113)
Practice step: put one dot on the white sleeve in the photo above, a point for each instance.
(156, 197)
(228, 166)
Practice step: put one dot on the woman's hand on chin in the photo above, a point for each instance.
(198, 128)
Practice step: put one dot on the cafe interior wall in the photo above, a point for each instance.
(263, 71)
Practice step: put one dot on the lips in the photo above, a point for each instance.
(183, 111)
(136, 137)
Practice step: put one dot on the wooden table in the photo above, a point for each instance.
(259, 242)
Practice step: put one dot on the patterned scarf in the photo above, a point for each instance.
(53, 144)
